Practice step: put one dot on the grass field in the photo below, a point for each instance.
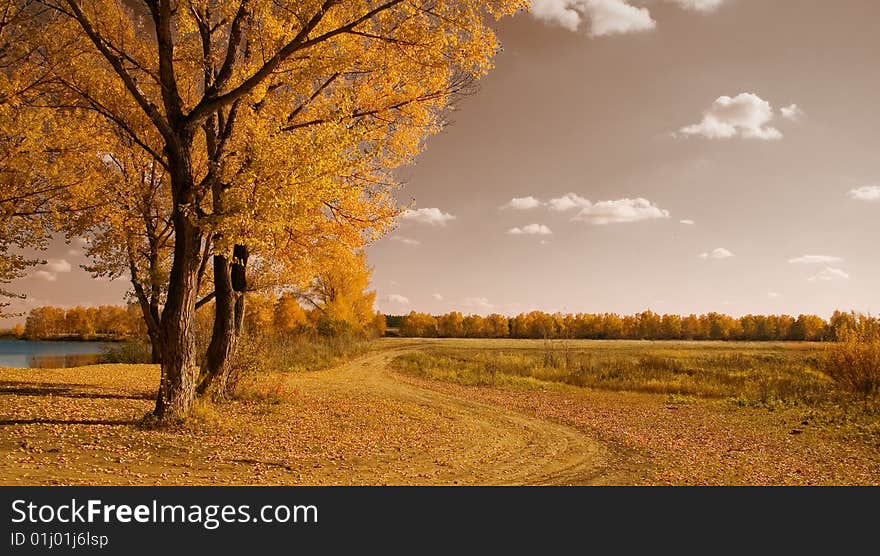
(770, 376)
(695, 412)
(751, 373)
(433, 411)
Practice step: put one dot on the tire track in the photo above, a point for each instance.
(506, 448)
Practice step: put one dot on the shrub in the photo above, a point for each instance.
(854, 362)
(265, 354)
(267, 388)
(130, 351)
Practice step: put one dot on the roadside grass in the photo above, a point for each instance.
(755, 375)
(262, 363)
(293, 353)
(740, 375)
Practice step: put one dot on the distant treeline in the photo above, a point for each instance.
(643, 326)
(266, 314)
(81, 323)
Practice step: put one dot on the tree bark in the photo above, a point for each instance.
(155, 336)
(176, 334)
(177, 386)
(229, 289)
(150, 312)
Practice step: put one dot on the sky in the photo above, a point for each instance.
(682, 156)
(715, 159)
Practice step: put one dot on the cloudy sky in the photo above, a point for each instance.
(674, 155)
(678, 155)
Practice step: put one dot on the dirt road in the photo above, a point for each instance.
(357, 424)
(503, 447)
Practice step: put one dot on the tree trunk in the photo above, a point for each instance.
(229, 289)
(149, 306)
(150, 313)
(176, 333)
(177, 386)
(155, 346)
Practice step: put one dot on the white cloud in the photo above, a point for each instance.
(406, 240)
(815, 259)
(746, 115)
(557, 12)
(773, 295)
(397, 298)
(608, 212)
(47, 276)
(687, 222)
(866, 193)
(717, 253)
(792, 112)
(52, 268)
(531, 229)
(58, 265)
(829, 273)
(611, 17)
(431, 216)
(607, 17)
(480, 303)
(523, 203)
(621, 211)
(437, 296)
(704, 6)
(568, 202)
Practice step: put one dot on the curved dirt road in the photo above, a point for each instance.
(357, 424)
(490, 445)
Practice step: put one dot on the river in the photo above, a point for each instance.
(50, 354)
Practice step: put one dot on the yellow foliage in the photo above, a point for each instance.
(289, 315)
(276, 125)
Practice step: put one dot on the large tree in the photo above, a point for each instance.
(270, 118)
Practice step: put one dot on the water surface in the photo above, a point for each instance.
(50, 354)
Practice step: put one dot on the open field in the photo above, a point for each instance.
(459, 412)
(752, 372)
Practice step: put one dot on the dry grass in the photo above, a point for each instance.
(659, 441)
(832, 386)
(854, 363)
(359, 424)
(269, 388)
(751, 373)
(676, 412)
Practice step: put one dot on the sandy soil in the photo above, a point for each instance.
(357, 424)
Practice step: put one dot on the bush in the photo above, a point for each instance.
(267, 388)
(264, 354)
(854, 362)
(131, 351)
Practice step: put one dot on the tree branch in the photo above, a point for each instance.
(210, 104)
(235, 36)
(161, 12)
(116, 63)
